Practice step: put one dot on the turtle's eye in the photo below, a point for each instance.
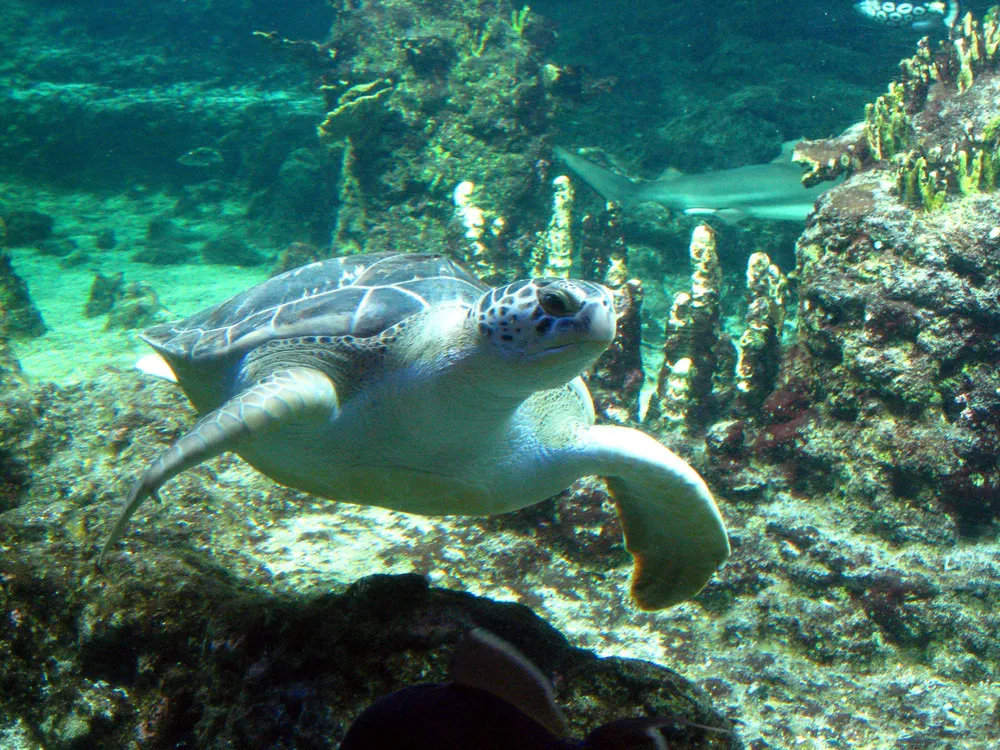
(559, 303)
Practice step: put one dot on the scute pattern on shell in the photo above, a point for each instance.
(359, 295)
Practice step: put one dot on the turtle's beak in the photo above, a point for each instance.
(593, 324)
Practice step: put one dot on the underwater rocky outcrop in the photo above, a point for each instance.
(705, 373)
(890, 376)
(872, 465)
(422, 98)
(896, 359)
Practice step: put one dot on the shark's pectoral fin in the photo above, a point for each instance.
(279, 399)
(732, 215)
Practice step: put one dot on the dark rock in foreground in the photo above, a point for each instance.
(179, 657)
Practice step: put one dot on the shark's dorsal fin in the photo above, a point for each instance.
(787, 148)
(670, 173)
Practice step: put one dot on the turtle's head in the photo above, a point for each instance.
(553, 327)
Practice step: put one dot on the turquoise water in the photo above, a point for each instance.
(854, 466)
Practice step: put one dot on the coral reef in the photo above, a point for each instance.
(419, 101)
(356, 112)
(937, 125)
(693, 334)
(616, 379)
(553, 254)
(896, 316)
(703, 373)
(831, 158)
(603, 252)
(484, 248)
(760, 344)
(894, 312)
(351, 228)
(897, 326)
(873, 458)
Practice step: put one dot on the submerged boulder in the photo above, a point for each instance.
(183, 657)
(19, 318)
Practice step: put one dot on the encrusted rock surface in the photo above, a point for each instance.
(899, 335)
(811, 625)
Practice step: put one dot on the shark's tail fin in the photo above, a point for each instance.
(611, 186)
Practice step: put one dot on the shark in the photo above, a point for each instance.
(761, 191)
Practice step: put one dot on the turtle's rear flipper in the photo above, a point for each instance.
(280, 398)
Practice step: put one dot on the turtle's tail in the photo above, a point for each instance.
(276, 400)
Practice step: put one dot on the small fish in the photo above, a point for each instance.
(204, 156)
(921, 16)
(497, 700)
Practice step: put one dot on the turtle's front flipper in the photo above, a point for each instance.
(277, 400)
(672, 526)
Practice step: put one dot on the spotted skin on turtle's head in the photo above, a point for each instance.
(545, 315)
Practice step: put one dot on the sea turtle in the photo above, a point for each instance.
(400, 380)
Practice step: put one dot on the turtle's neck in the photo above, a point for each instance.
(461, 374)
